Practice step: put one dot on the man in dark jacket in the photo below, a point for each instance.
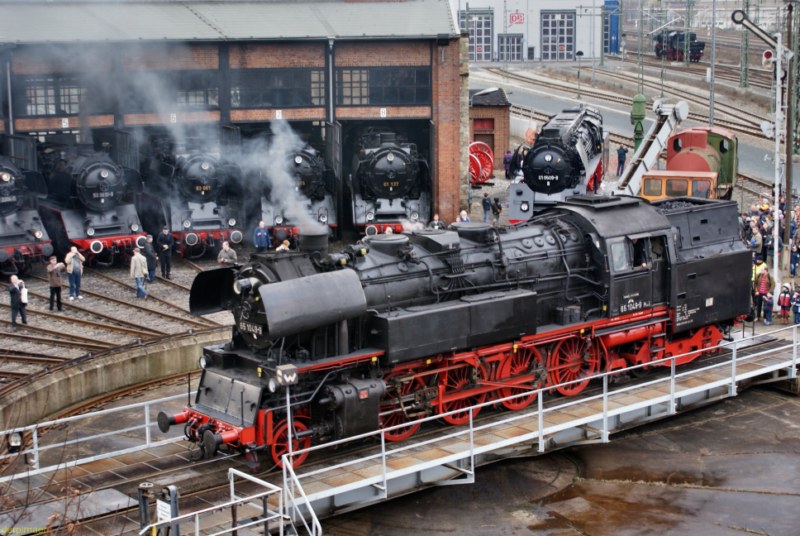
(261, 237)
(152, 258)
(164, 244)
(16, 303)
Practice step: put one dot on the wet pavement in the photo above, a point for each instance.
(731, 468)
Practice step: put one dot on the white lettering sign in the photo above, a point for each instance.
(278, 114)
(383, 112)
(65, 122)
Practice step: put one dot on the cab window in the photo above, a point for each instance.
(701, 188)
(620, 258)
(652, 187)
(677, 187)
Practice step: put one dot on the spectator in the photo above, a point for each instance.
(763, 285)
(794, 259)
(436, 223)
(152, 258)
(16, 303)
(74, 262)
(284, 246)
(497, 208)
(54, 270)
(622, 153)
(796, 306)
(463, 216)
(165, 242)
(261, 237)
(226, 254)
(487, 207)
(23, 301)
(139, 272)
(768, 309)
(785, 303)
(507, 162)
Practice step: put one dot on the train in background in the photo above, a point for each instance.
(394, 328)
(91, 195)
(194, 188)
(24, 240)
(389, 182)
(314, 183)
(671, 45)
(566, 159)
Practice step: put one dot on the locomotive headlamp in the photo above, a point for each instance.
(548, 158)
(37, 234)
(204, 166)
(104, 173)
(231, 222)
(370, 215)
(298, 160)
(524, 207)
(245, 284)
(187, 223)
(415, 216)
(278, 220)
(390, 157)
(5, 176)
(203, 362)
(135, 227)
(90, 231)
(14, 441)
(272, 385)
(323, 218)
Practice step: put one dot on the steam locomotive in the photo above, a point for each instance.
(314, 206)
(403, 326)
(671, 44)
(23, 237)
(389, 182)
(193, 190)
(91, 199)
(566, 159)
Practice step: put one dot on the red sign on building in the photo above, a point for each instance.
(516, 17)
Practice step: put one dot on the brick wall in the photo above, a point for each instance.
(171, 57)
(180, 117)
(377, 54)
(51, 60)
(391, 112)
(502, 126)
(58, 123)
(290, 114)
(272, 55)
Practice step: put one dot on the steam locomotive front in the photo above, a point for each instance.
(10, 189)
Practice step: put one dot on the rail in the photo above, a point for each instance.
(34, 453)
(380, 469)
(237, 505)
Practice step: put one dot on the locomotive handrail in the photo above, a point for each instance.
(676, 392)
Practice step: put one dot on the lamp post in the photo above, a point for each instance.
(579, 55)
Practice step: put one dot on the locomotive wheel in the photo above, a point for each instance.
(573, 359)
(454, 380)
(526, 361)
(280, 445)
(393, 408)
(475, 170)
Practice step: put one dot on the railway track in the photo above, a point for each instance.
(108, 317)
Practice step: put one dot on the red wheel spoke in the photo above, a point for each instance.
(454, 381)
(280, 446)
(526, 361)
(571, 360)
(393, 410)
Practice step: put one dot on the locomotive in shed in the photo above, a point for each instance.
(315, 183)
(400, 327)
(389, 182)
(23, 237)
(194, 189)
(565, 160)
(91, 196)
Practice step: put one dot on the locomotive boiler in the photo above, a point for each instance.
(400, 327)
(315, 203)
(23, 237)
(389, 182)
(566, 159)
(194, 190)
(90, 202)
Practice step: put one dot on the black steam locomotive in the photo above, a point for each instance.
(91, 197)
(194, 190)
(404, 326)
(565, 160)
(389, 182)
(313, 204)
(23, 237)
(671, 45)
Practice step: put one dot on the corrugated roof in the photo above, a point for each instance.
(69, 21)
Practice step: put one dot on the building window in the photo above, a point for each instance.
(277, 88)
(198, 98)
(483, 123)
(509, 47)
(384, 86)
(480, 25)
(558, 35)
(51, 96)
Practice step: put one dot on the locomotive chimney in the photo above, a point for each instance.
(310, 240)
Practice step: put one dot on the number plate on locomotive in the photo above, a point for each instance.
(548, 178)
(249, 327)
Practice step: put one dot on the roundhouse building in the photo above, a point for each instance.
(329, 67)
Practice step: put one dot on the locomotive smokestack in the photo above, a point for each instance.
(311, 240)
